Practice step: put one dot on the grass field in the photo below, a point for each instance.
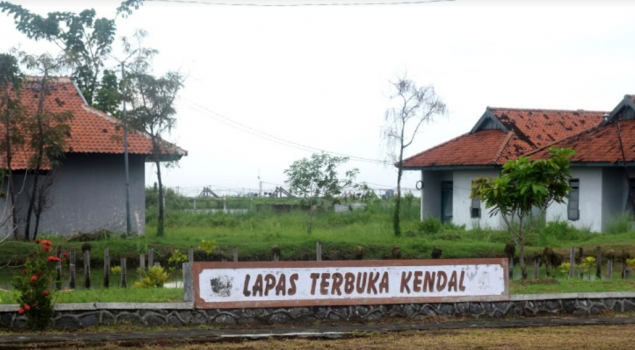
(254, 234)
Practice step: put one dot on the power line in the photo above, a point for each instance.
(230, 122)
(325, 4)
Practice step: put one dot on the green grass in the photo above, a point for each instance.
(129, 295)
(542, 286)
(255, 233)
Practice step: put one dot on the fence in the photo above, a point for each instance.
(579, 265)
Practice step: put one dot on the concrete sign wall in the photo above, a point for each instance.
(302, 283)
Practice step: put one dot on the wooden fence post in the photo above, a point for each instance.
(58, 268)
(235, 254)
(123, 283)
(511, 268)
(624, 276)
(598, 262)
(87, 269)
(609, 267)
(190, 255)
(142, 265)
(581, 258)
(318, 251)
(71, 270)
(150, 257)
(571, 262)
(106, 267)
(536, 266)
(188, 283)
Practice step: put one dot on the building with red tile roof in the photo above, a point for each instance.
(87, 191)
(605, 152)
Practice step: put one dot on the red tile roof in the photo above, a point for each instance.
(480, 148)
(598, 145)
(91, 131)
(528, 130)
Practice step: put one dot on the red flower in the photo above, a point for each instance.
(37, 241)
(47, 242)
(65, 255)
(33, 278)
(20, 310)
(46, 293)
(46, 248)
(27, 307)
(53, 258)
(25, 271)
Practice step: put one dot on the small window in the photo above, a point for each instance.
(574, 200)
(475, 209)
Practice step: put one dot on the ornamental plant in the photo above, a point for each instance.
(33, 286)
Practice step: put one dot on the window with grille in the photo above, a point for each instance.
(574, 200)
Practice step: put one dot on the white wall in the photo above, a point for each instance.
(431, 192)
(590, 201)
(461, 211)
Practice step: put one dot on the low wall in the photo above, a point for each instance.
(72, 316)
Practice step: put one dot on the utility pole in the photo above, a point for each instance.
(125, 150)
(125, 139)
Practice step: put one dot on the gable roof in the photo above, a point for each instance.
(91, 131)
(502, 134)
(598, 145)
(601, 144)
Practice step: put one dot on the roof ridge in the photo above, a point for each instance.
(510, 134)
(547, 109)
(564, 139)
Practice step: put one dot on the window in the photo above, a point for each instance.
(475, 209)
(574, 200)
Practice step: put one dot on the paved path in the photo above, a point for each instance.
(216, 335)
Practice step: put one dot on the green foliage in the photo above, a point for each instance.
(207, 247)
(85, 38)
(115, 270)
(176, 260)
(620, 224)
(525, 184)
(557, 231)
(430, 225)
(33, 286)
(154, 278)
(318, 178)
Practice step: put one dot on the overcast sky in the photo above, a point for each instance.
(318, 76)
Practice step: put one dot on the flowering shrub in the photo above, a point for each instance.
(33, 286)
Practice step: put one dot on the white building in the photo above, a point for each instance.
(603, 167)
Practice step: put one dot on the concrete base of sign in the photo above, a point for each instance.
(71, 316)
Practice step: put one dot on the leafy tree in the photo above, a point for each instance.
(12, 116)
(525, 184)
(85, 39)
(153, 112)
(46, 134)
(413, 106)
(317, 177)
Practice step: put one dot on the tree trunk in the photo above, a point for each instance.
(10, 187)
(160, 222)
(27, 229)
(157, 161)
(521, 251)
(310, 225)
(396, 219)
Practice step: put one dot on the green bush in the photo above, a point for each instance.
(155, 278)
(430, 225)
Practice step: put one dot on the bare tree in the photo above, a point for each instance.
(13, 114)
(413, 106)
(46, 131)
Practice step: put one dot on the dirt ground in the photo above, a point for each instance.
(579, 337)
